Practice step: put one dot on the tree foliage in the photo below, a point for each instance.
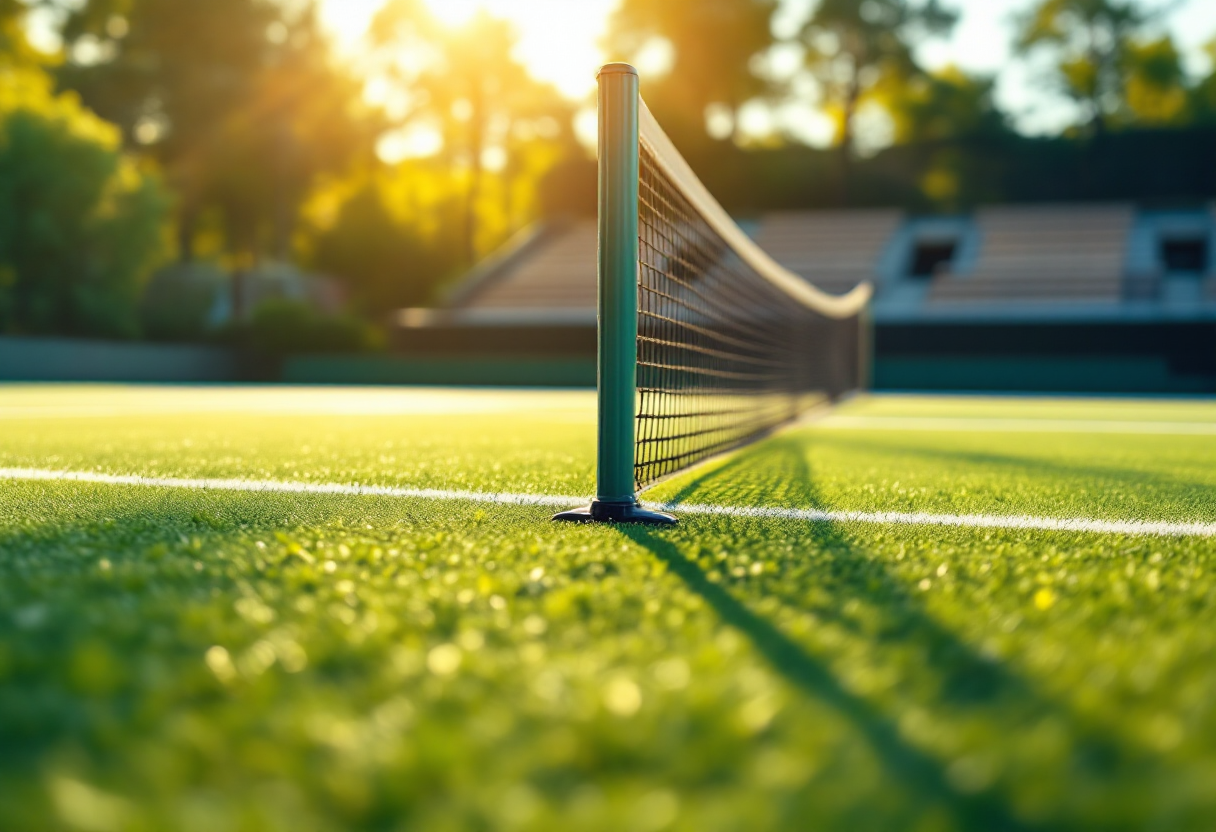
(852, 47)
(1201, 106)
(1101, 60)
(715, 47)
(466, 82)
(80, 223)
(282, 326)
(240, 101)
(946, 104)
(1154, 82)
(15, 49)
(385, 255)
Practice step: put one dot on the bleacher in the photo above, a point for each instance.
(1044, 253)
(554, 270)
(1107, 297)
(835, 250)
(1010, 258)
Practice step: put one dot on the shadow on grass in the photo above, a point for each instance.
(907, 764)
(1132, 479)
(880, 608)
(740, 461)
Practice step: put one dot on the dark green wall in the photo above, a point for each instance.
(511, 372)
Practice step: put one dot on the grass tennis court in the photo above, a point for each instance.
(201, 659)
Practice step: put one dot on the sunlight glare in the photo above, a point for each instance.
(349, 19)
(454, 12)
(558, 39)
(409, 143)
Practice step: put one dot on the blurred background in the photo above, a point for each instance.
(397, 191)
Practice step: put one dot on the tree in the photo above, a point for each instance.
(169, 73)
(475, 83)
(1154, 82)
(303, 118)
(1202, 97)
(851, 47)
(942, 105)
(80, 223)
(385, 260)
(466, 80)
(715, 46)
(15, 49)
(238, 100)
(1094, 43)
(942, 113)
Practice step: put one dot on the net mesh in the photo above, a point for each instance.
(724, 355)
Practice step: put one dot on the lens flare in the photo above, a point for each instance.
(558, 39)
(455, 12)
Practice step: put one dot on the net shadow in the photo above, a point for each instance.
(858, 593)
(913, 768)
(1127, 479)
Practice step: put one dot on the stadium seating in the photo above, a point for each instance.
(556, 272)
(1037, 254)
(1044, 253)
(835, 250)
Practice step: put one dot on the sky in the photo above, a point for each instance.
(559, 44)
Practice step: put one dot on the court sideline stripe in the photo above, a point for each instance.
(1159, 528)
(981, 424)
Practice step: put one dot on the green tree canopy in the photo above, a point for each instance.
(239, 100)
(715, 47)
(1202, 97)
(946, 104)
(80, 224)
(304, 118)
(1094, 48)
(169, 73)
(15, 49)
(853, 47)
(384, 261)
(466, 80)
(1154, 82)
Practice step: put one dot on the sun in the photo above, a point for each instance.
(348, 20)
(454, 12)
(558, 39)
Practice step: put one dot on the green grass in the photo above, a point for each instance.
(189, 660)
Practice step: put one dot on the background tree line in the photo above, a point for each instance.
(1145, 129)
(215, 143)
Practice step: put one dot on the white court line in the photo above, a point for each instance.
(333, 408)
(1157, 528)
(981, 424)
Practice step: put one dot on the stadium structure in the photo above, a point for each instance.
(1100, 297)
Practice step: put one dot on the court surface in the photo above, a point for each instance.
(325, 609)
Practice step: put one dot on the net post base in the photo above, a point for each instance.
(601, 511)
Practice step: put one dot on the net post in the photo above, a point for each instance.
(619, 173)
(618, 280)
(865, 348)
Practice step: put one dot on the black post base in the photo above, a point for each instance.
(604, 512)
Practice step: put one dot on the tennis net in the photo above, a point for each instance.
(705, 342)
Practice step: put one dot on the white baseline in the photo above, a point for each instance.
(1158, 528)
